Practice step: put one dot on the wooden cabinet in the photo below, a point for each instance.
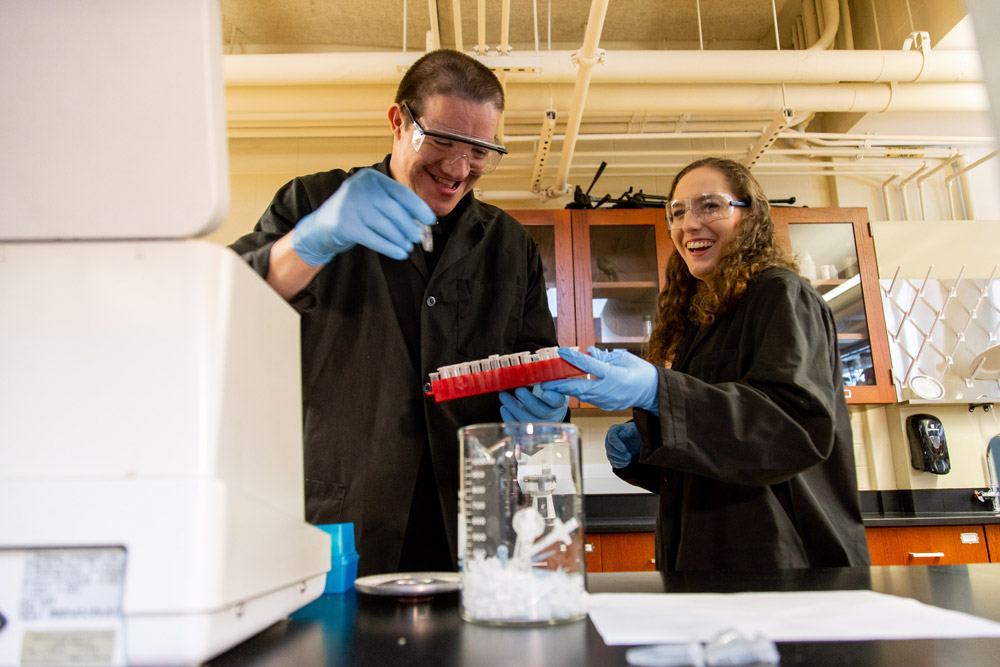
(836, 253)
(604, 269)
(993, 541)
(621, 552)
(927, 545)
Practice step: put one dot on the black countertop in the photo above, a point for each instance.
(636, 512)
(358, 629)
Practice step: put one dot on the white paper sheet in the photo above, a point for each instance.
(651, 618)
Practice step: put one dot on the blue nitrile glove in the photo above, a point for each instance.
(622, 444)
(368, 209)
(622, 380)
(533, 406)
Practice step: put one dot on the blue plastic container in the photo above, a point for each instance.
(343, 558)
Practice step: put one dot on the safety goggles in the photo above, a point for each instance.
(436, 145)
(705, 207)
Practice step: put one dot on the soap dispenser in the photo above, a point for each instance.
(928, 447)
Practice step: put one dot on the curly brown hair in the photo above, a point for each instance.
(753, 248)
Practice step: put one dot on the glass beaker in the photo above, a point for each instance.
(521, 532)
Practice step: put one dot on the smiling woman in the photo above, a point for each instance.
(739, 418)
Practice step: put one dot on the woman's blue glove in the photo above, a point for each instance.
(622, 444)
(543, 406)
(623, 380)
(368, 209)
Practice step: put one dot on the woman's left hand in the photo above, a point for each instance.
(622, 380)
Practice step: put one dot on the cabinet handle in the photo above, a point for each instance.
(652, 561)
(927, 554)
(588, 547)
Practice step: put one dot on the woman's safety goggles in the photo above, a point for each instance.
(436, 145)
(705, 207)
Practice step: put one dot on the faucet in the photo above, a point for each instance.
(992, 493)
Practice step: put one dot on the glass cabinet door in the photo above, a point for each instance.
(619, 257)
(551, 231)
(835, 253)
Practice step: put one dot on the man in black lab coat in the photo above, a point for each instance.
(379, 313)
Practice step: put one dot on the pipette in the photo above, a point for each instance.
(498, 373)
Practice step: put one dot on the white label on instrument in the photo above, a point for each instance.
(970, 538)
(63, 606)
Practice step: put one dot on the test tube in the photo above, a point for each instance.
(426, 238)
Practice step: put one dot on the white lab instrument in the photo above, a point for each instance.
(150, 411)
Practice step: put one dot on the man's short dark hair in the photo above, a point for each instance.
(449, 72)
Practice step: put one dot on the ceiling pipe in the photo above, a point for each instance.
(456, 17)
(846, 27)
(960, 173)
(587, 58)
(505, 28)
(630, 67)
(829, 21)
(810, 22)
(904, 195)
(885, 195)
(646, 67)
(920, 182)
(481, 47)
(435, 25)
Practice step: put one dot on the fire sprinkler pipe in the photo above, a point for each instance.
(588, 57)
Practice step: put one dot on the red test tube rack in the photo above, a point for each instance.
(499, 373)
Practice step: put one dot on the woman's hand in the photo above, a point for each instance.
(622, 380)
(622, 444)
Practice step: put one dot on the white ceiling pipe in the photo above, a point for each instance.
(960, 172)
(828, 19)
(481, 47)
(645, 66)
(586, 60)
(810, 22)
(885, 195)
(843, 139)
(846, 28)
(435, 27)
(760, 98)
(505, 27)
(920, 182)
(904, 195)
(456, 17)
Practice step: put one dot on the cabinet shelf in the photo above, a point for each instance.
(631, 289)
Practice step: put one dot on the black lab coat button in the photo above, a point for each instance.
(431, 301)
(427, 388)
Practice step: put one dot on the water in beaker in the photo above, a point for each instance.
(521, 532)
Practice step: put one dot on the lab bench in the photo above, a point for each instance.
(358, 629)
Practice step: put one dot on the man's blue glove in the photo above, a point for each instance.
(622, 444)
(543, 406)
(368, 209)
(623, 380)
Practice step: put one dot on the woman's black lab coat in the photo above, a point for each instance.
(752, 454)
(372, 329)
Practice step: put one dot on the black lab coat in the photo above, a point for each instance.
(372, 329)
(752, 454)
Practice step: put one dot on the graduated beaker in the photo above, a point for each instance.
(521, 541)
